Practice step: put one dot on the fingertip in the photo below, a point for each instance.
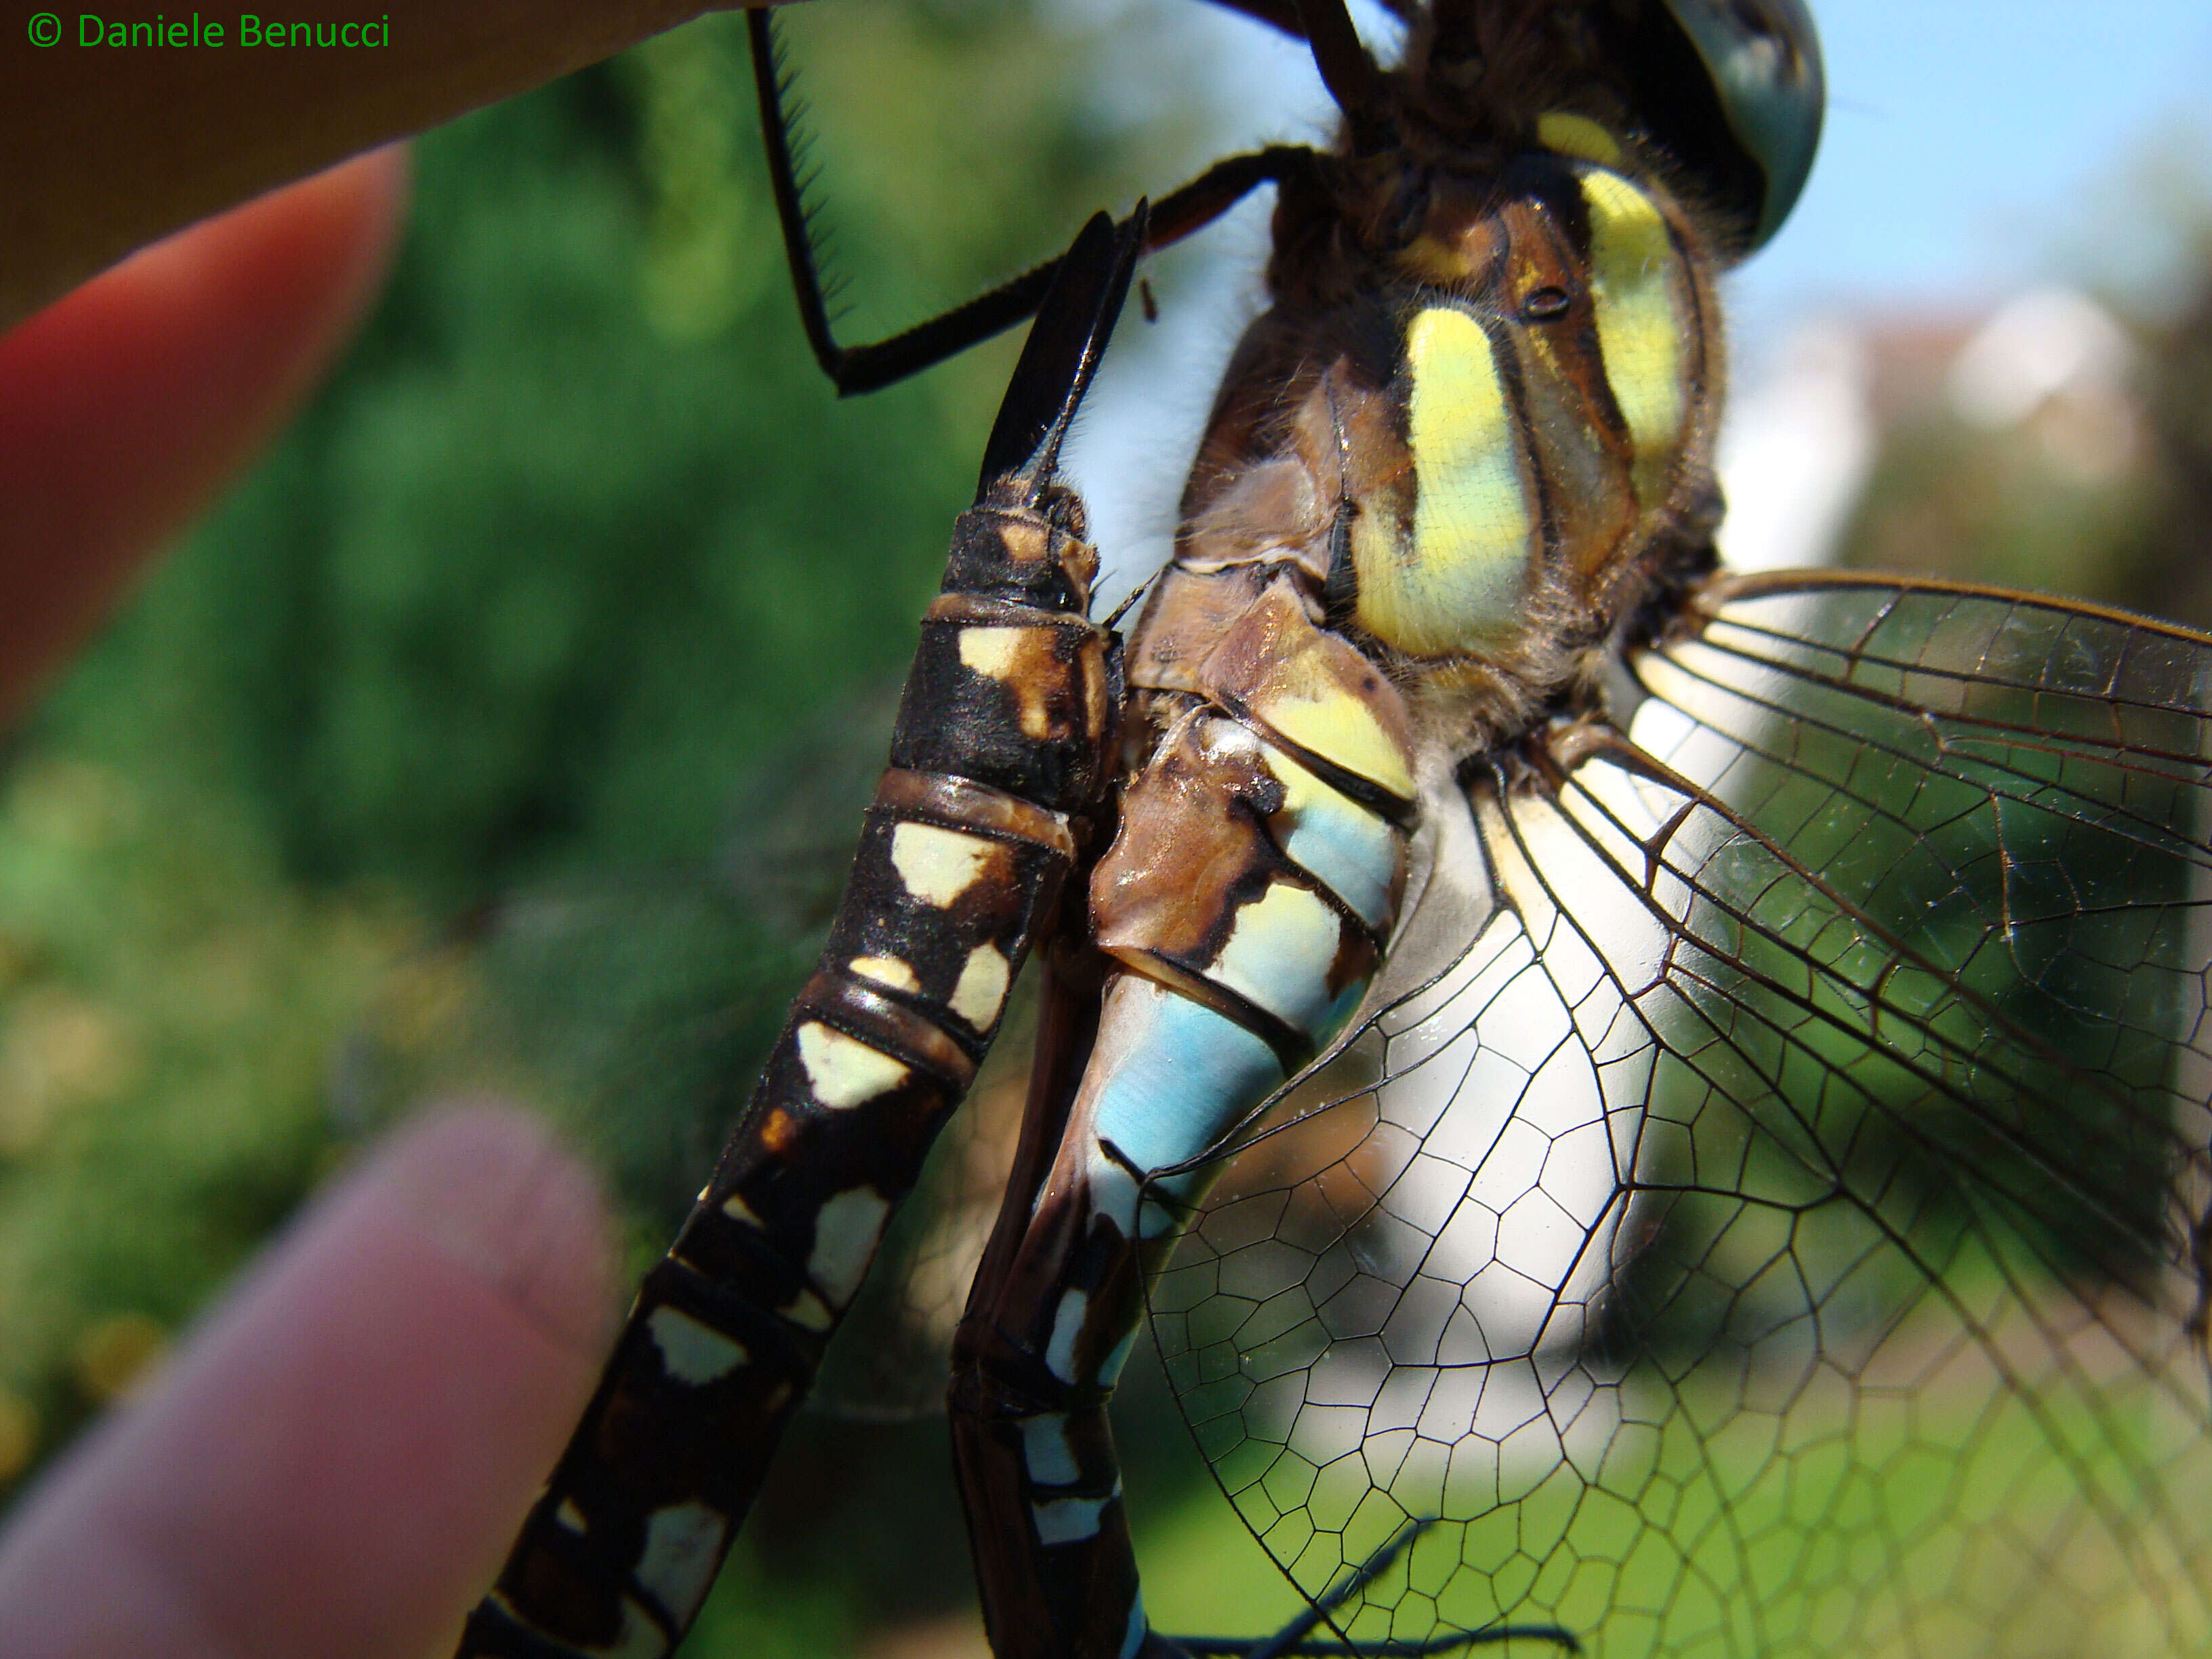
(126, 404)
(336, 1460)
(493, 1189)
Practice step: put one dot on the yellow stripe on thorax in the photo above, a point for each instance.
(1460, 582)
(1579, 136)
(1635, 288)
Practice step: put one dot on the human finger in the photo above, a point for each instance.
(126, 406)
(335, 1465)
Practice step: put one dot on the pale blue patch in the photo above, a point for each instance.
(683, 1547)
(691, 1351)
(847, 1231)
(1066, 1326)
(1186, 1075)
(1114, 1191)
(1110, 1372)
(1133, 1638)
(1341, 1011)
(1045, 1449)
(1067, 1520)
(1280, 948)
(1339, 843)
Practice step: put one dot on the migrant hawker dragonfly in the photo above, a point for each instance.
(1653, 1111)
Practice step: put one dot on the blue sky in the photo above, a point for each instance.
(1972, 146)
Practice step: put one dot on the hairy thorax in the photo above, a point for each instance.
(1470, 457)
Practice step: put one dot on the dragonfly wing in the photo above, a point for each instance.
(625, 1007)
(633, 1008)
(1785, 1231)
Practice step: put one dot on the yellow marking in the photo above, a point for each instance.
(846, 1233)
(778, 1130)
(982, 987)
(885, 970)
(1007, 656)
(1334, 724)
(569, 1516)
(990, 652)
(692, 1353)
(1640, 325)
(683, 1547)
(1579, 136)
(1440, 263)
(938, 866)
(806, 1311)
(843, 1072)
(1460, 583)
(738, 1211)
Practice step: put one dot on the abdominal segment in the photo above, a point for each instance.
(1243, 907)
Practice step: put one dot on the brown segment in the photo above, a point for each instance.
(1584, 454)
(1070, 1602)
(1307, 436)
(937, 798)
(1191, 849)
(867, 1012)
(1194, 849)
(1274, 655)
(1439, 197)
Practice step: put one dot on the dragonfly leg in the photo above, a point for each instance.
(1292, 1639)
(856, 368)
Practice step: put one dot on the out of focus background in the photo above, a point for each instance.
(510, 724)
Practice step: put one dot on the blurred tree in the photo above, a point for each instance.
(2178, 400)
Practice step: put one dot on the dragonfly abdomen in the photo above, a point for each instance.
(1245, 902)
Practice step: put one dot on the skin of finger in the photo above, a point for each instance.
(335, 1463)
(109, 147)
(125, 407)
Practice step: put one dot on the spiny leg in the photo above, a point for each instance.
(868, 367)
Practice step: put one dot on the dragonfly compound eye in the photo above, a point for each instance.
(1753, 143)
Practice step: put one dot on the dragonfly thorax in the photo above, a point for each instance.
(1468, 463)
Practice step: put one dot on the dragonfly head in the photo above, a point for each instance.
(1730, 92)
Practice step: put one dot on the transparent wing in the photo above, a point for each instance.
(1783, 1232)
(629, 1008)
(636, 1008)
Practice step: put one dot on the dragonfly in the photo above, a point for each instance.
(1651, 1110)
